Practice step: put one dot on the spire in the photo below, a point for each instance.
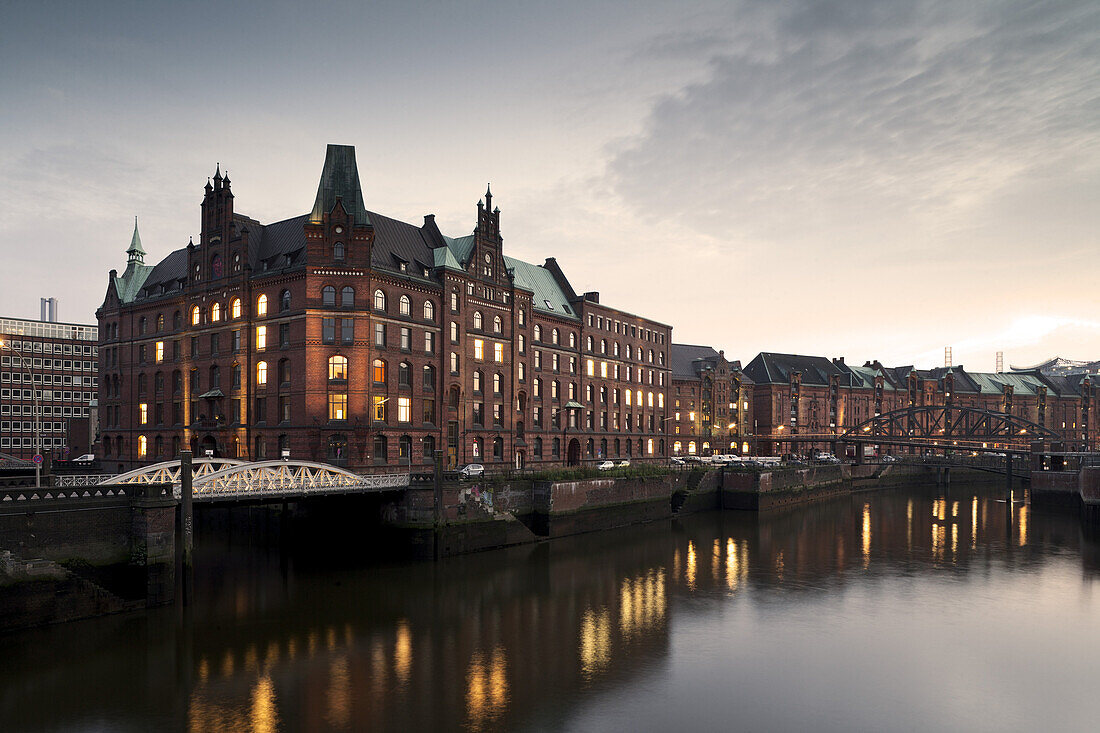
(218, 173)
(135, 253)
(225, 182)
(340, 179)
(488, 197)
(209, 188)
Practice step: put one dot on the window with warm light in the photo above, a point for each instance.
(338, 406)
(603, 369)
(479, 349)
(261, 374)
(378, 371)
(143, 413)
(404, 409)
(160, 351)
(378, 410)
(261, 305)
(216, 312)
(235, 308)
(195, 315)
(143, 446)
(261, 337)
(498, 353)
(590, 367)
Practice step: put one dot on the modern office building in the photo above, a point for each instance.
(47, 379)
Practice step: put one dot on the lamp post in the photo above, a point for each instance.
(37, 416)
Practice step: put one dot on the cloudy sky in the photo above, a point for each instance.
(867, 178)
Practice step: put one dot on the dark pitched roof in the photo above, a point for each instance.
(396, 242)
(683, 358)
(340, 179)
(771, 368)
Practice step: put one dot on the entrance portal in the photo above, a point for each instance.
(574, 456)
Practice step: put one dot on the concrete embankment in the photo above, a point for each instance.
(1077, 489)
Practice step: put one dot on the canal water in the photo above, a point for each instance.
(903, 610)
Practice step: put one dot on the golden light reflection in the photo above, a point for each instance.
(715, 558)
(733, 573)
(251, 659)
(939, 540)
(271, 656)
(338, 694)
(291, 649)
(486, 688)
(227, 664)
(204, 671)
(378, 662)
(689, 573)
(954, 508)
(779, 565)
(1023, 525)
(974, 524)
(954, 541)
(641, 603)
(909, 526)
(311, 643)
(402, 652)
(676, 565)
(866, 535)
(265, 715)
(595, 641)
(330, 639)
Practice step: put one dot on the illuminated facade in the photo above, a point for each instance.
(346, 336)
(711, 403)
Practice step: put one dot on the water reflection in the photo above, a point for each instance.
(518, 638)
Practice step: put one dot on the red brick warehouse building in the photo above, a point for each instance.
(346, 336)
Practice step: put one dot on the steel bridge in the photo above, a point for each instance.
(949, 427)
(227, 479)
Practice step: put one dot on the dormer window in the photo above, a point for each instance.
(338, 251)
(403, 267)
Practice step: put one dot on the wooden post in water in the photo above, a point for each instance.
(187, 521)
(437, 513)
(1008, 476)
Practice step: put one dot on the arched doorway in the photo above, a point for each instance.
(208, 444)
(521, 460)
(574, 457)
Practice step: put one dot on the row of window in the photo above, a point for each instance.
(44, 410)
(27, 426)
(607, 324)
(79, 365)
(29, 442)
(48, 347)
(64, 380)
(47, 395)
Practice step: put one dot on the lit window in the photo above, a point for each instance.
(143, 413)
(338, 407)
(261, 337)
(143, 446)
(261, 306)
(378, 371)
(650, 399)
(379, 301)
(628, 393)
(235, 308)
(660, 399)
(405, 305)
(603, 369)
(498, 353)
(404, 409)
(479, 349)
(429, 311)
(477, 319)
(379, 408)
(195, 317)
(261, 374)
(590, 367)
(216, 312)
(649, 446)
(160, 351)
(496, 324)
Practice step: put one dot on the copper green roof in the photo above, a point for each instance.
(548, 295)
(340, 179)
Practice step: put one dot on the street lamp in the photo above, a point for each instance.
(37, 417)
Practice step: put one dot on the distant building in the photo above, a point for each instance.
(1059, 367)
(711, 403)
(57, 361)
(345, 336)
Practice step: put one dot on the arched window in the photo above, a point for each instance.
(498, 449)
(379, 301)
(338, 251)
(328, 295)
(588, 343)
(142, 324)
(235, 308)
(428, 380)
(477, 319)
(496, 383)
(538, 448)
(160, 322)
(554, 336)
(404, 374)
(427, 444)
(404, 448)
(572, 340)
(452, 396)
(603, 346)
(404, 305)
(216, 312)
(429, 311)
(177, 321)
(537, 332)
(454, 363)
(496, 324)
(261, 305)
(378, 371)
(347, 297)
(477, 380)
(215, 377)
(261, 374)
(284, 301)
(143, 446)
(337, 367)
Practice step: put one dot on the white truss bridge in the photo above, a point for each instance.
(220, 479)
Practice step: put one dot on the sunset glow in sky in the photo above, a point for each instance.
(871, 178)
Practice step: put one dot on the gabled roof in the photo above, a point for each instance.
(548, 296)
(684, 356)
(772, 368)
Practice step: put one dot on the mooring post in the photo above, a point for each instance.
(1008, 476)
(187, 521)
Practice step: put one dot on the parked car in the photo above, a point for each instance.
(606, 466)
(676, 461)
(889, 458)
(471, 470)
(86, 458)
(624, 463)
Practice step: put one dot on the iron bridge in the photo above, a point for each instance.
(227, 479)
